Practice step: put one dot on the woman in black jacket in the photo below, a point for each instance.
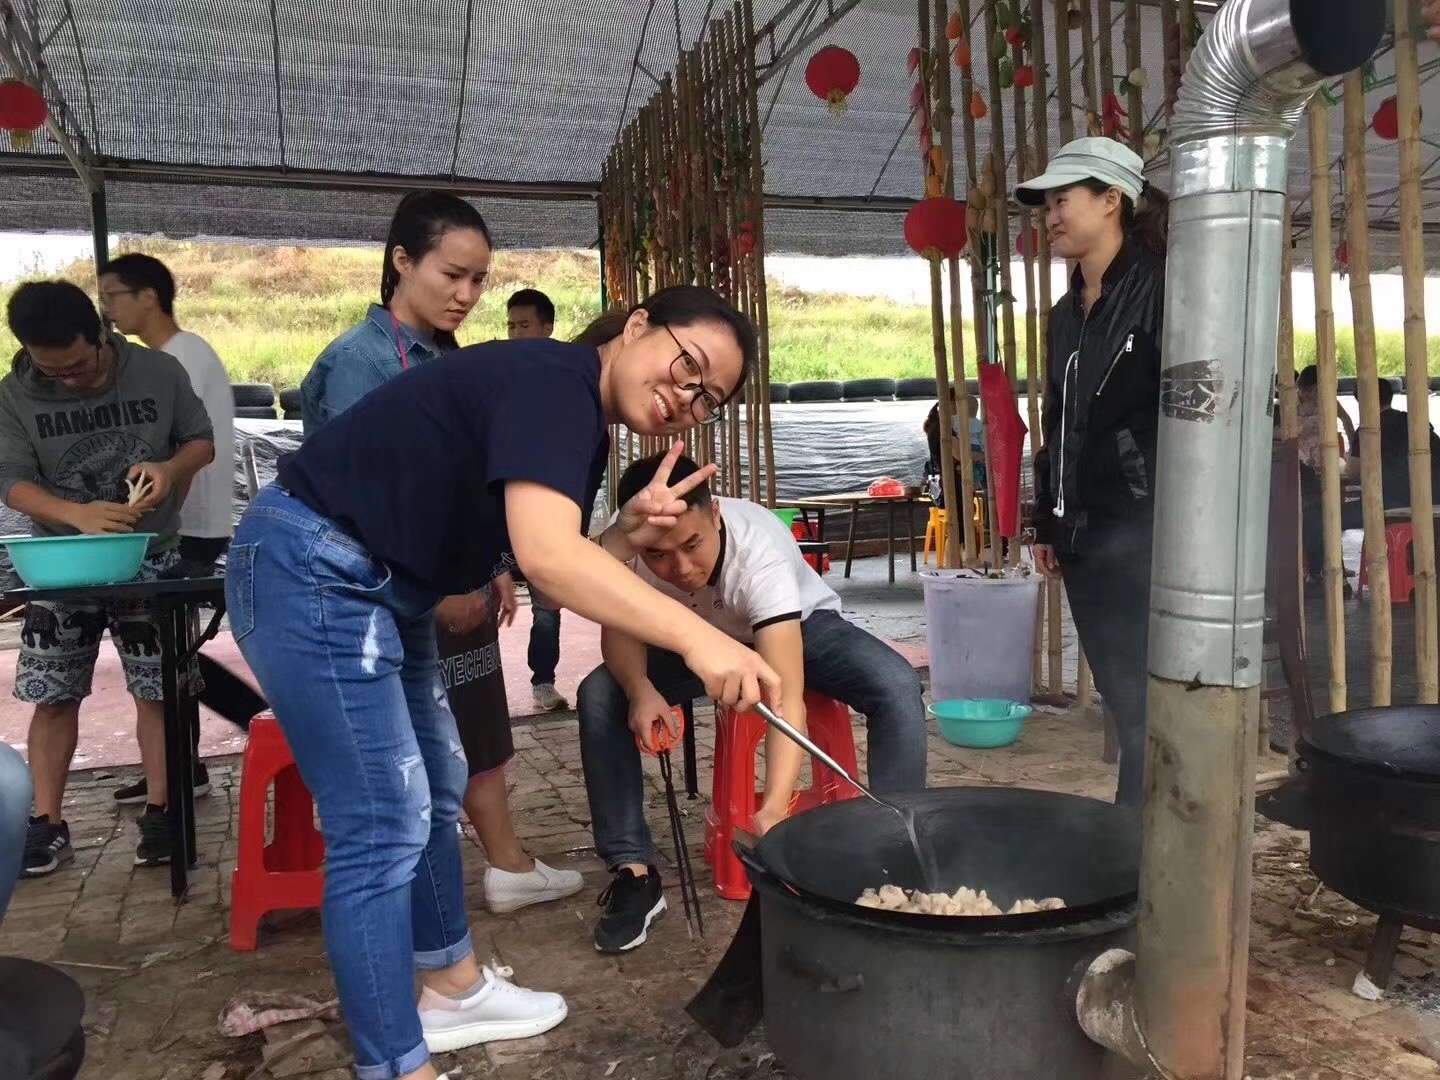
(1095, 473)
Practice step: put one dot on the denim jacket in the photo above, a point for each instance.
(358, 361)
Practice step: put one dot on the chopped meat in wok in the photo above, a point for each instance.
(964, 901)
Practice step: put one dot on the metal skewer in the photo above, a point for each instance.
(794, 734)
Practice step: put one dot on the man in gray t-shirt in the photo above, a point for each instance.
(81, 413)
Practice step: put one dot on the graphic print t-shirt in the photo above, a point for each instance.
(79, 445)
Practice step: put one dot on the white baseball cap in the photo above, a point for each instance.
(1092, 158)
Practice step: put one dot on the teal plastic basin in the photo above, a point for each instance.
(62, 562)
(980, 724)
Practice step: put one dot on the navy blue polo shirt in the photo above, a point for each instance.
(416, 469)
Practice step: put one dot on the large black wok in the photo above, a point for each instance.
(1372, 784)
(852, 992)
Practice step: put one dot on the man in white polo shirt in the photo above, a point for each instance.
(734, 563)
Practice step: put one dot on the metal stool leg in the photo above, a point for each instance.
(692, 769)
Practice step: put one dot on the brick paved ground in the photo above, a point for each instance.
(157, 977)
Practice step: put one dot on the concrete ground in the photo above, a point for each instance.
(158, 977)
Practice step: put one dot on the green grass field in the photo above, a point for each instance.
(269, 311)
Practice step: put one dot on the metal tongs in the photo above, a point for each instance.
(665, 740)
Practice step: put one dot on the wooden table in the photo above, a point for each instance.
(854, 501)
(175, 600)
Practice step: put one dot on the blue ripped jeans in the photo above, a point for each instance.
(345, 654)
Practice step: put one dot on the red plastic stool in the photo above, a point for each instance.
(734, 799)
(1399, 538)
(284, 874)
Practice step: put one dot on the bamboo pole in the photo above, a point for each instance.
(1064, 75)
(1170, 36)
(1132, 62)
(1025, 167)
(757, 214)
(1417, 390)
(1087, 67)
(1322, 237)
(934, 55)
(960, 536)
(1357, 230)
(1049, 594)
(1105, 55)
(1285, 379)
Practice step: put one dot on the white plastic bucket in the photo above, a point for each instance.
(981, 633)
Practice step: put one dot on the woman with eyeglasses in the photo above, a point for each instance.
(430, 486)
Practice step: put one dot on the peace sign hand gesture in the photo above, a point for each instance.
(656, 508)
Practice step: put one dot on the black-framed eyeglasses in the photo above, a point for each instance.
(685, 372)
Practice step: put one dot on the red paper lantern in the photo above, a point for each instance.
(832, 75)
(1033, 243)
(1386, 120)
(22, 111)
(935, 228)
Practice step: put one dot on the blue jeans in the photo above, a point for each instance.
(345, 653)
(544, 653)
(842, 662)
(16, 793)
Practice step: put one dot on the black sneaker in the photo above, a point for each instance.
(632, 905)
(154, 846)
(47, 846)
(138, 793)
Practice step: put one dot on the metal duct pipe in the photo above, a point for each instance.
(1241, 99)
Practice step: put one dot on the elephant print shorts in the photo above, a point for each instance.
(60, 642)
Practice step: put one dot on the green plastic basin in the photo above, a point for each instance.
(62, 562)
(980, 724)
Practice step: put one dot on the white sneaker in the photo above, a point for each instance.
(506, 891)
(548, 698)
(498, 1010)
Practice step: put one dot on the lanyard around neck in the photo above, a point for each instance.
(400, 349)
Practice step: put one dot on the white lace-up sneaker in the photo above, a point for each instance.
(548, 698)
(506, 891)
(498, 1010)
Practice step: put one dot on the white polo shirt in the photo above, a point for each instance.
(760, 578)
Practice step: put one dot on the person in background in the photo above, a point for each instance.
(1395, 452)
(16, 792)
(976, 452)
(529, 313)
(1095, 473)
(429, 487)
(1430, 9)
(137, 294)
(737, 566)
(1311, 443)
(81, 413)
(437, 257)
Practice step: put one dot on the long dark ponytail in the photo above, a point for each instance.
(420, 220)
(1147, 222)
(682, 305)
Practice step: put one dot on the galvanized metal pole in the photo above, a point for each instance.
(1241, 100)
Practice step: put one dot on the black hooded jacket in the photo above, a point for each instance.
(1102, 401)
